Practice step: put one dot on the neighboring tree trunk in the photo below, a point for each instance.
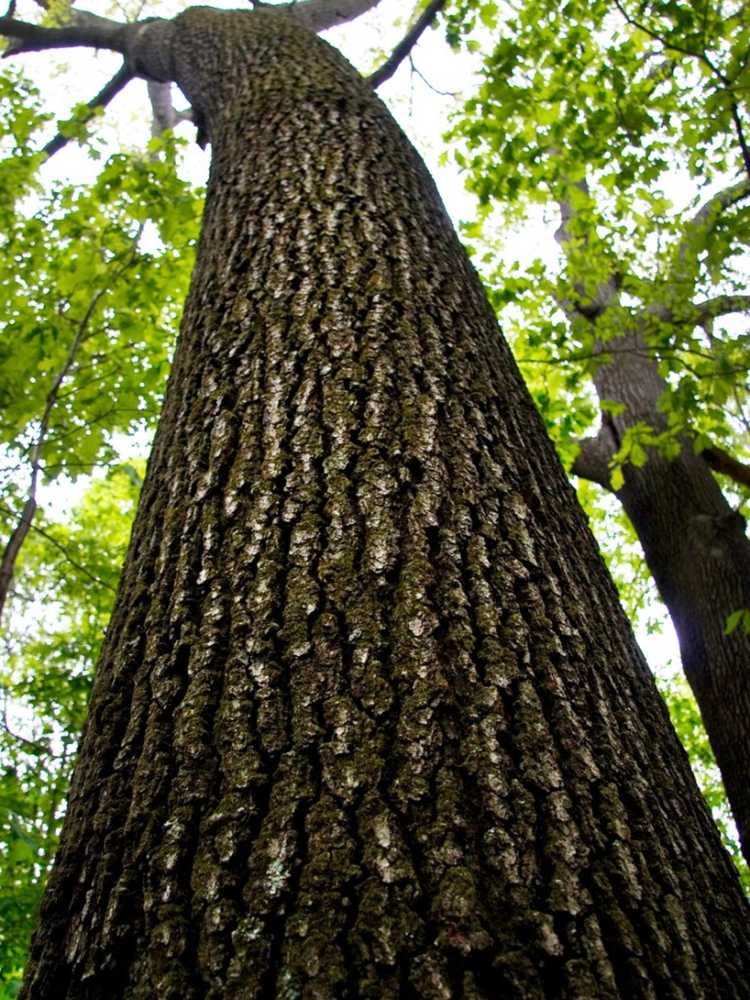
(699, 555)
(369, 722)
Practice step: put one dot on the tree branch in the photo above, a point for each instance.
(722, 462)
(320, 15)
(407, 43)
(698, 313)
(85, 29)
(110, 90)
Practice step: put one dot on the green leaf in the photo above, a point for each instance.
(617, 479)
(738, 618)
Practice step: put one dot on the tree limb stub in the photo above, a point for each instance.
(163, 114)
(592, 462)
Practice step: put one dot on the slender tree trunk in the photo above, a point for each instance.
(699, 555)
(369, 722)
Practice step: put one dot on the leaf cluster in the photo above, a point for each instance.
(615, 121)
(64, 592)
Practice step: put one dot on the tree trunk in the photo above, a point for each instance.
(369, 722)
(699, 556)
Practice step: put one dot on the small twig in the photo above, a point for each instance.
(121, 78)
(426, 82)
(35, 745)
(407, 43)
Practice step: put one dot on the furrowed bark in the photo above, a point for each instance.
(368, 721)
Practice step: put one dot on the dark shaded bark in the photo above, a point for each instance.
(368, 721)
(699, 555)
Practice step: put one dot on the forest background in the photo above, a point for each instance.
(605, 149)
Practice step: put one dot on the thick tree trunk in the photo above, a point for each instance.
(369, 722)
(699, 555)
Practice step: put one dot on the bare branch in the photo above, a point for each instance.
(110, 90)
(407, 43)
(426, 82)
(84, 29)
(35, 746)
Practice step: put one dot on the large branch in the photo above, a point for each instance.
(722, 462)
(407, 43)
(320, 15)
(85, 29)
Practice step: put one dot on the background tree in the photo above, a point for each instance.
(71, 570)
(600, 112)
(367, 719)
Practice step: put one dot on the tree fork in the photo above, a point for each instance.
(368, 721)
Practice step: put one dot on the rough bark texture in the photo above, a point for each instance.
(369, 722)
(699, 555)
